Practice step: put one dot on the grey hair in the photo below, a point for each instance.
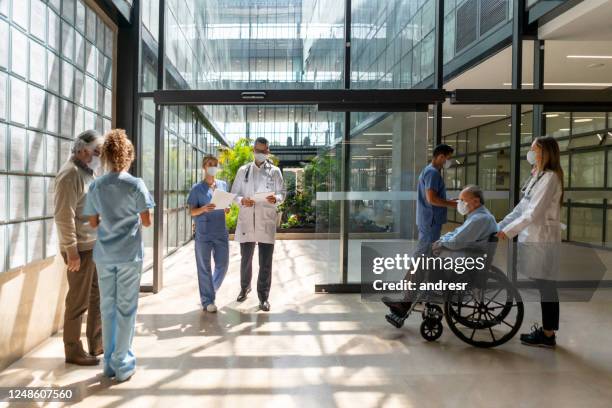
(84, 139)
(475, 191)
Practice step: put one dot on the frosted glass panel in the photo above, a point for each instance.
(4, 43)
(38, 19)
(67, 41)
(17, 138)
(20, 13)
(53, 30)
(36, 236)
(19, 53)
(67, 119)
(37, 107)
(3, 148)
(3, 92)
(2, 246)
(3, 198)
(18, 101)
(17, 244)
(52, 153)
(36, 199)
(53, 71)
(38, 70)
(52, 113)
(36, 152)
(17, 187)
(50, 191)
(67, 79)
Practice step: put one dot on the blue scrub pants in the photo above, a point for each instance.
(119, 288)
(208, 281)
(427, 236)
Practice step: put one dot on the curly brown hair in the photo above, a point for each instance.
(117, 151)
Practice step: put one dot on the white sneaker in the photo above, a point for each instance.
(211, 308)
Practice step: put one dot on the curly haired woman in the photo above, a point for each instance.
(118, 205)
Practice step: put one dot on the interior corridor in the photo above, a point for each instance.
(323, 351)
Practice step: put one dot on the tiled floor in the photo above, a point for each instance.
(325, 351)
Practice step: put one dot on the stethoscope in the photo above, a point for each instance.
(528, 187)
(266, 167)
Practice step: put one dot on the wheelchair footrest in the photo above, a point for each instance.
(395, 320)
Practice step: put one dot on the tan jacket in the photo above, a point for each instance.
(73, 229)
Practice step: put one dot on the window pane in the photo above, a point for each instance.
(609, 228)
(67, 119)
(37, 107)
(38, 19)
(17, 187)
(36, 152)
(67, 79)
(494, 135)
(4, 43)
(50, 191)
(52, 152)
(19, 53)
(36, 235)
(583, 122)
(2, 246)
(36, 200)
(588, 169)
(20, 13)
(17, 138)
(586, 225)
(38, 70)
(4, 204)
(67, 41)
(3, 91)
(53, 72)
(53, 30)
(557, 124)
(17, 244)
(3, 148)
(19, 99)
(52, 113)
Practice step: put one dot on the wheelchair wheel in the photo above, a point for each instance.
(432, 311)
(431, 329)
(486, 314)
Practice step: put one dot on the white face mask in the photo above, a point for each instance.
(212, 171)
(95, 164)
(462, 207)
(531, 157)
(260, 157)
(447, 164)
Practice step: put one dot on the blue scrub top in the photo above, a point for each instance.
(427, 214)
(211, 225)
(118, 198)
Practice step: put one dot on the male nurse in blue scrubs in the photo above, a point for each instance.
(211, 237)
(431, 211)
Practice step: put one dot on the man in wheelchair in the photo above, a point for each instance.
(479, 224)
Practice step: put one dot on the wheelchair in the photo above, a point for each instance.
(488, 313)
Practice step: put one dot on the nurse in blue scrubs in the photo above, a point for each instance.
(118, 206)
(211, 236)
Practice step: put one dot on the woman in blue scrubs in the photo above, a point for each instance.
(118, 205)
(211, 237)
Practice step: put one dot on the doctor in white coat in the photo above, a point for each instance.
(536, 221)
(257, 219)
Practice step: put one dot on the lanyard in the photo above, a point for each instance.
(265, 167)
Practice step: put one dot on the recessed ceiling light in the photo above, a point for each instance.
(583, 120)
(552, 115)
(486, 116)
(589, 56)
(576, 84)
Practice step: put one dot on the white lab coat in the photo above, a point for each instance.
(257, 223)
(536, 221)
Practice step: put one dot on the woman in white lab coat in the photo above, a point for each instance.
(536, 221)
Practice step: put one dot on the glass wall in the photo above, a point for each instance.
(585, 139)
(56, 80)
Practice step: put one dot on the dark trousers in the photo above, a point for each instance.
(264, 278)
(549, 303)
(83, 296)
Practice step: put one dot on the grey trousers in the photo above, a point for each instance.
(264, 278)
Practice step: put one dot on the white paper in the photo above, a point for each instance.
(222, 199)
(261, 197)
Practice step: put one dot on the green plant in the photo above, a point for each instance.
(231, 159)
(231, 218)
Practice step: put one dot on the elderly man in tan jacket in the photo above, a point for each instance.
(77, 240)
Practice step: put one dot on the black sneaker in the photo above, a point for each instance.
(538, 338)
(396, 307)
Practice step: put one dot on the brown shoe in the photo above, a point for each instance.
(95, 348)
(76, 355)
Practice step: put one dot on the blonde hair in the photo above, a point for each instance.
(117, 151)
(209, 158)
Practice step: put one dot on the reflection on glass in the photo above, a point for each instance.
(586, 225)
(17, 187)
(37, 107)
(583, 122)
(557, 124)
(36, 152)
(494, 135)
(19, 99)
(588, 169)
